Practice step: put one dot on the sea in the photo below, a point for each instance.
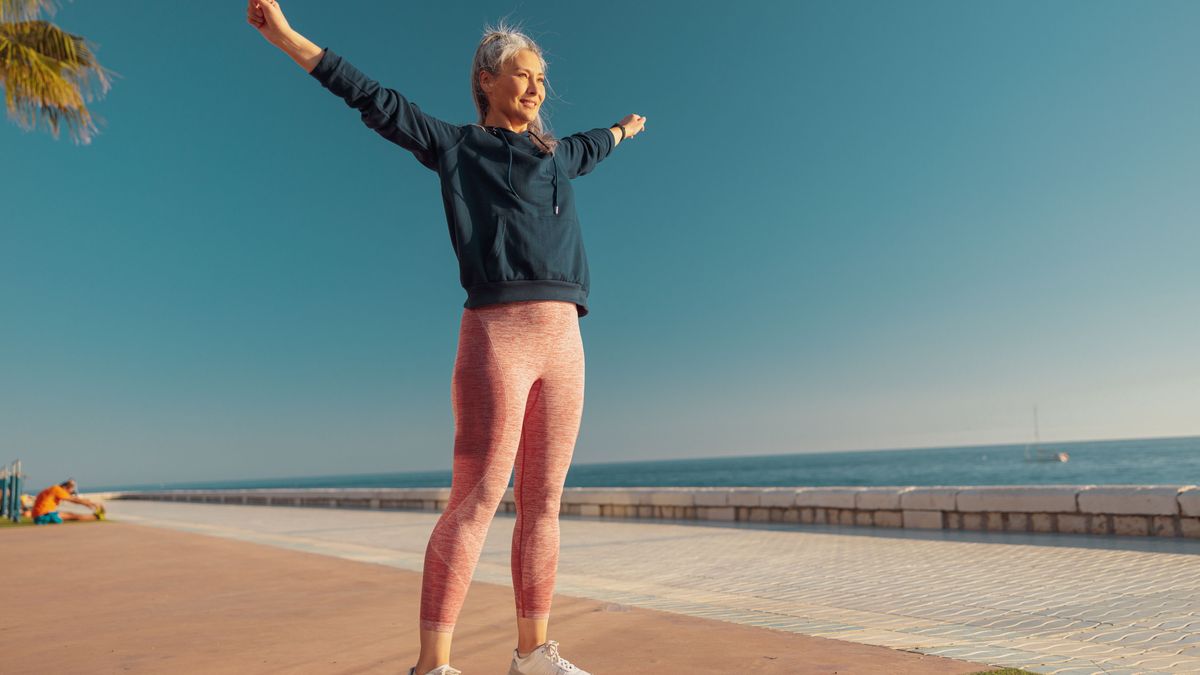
(1152, 461)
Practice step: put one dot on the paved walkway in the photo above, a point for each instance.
(122, 598)
(1044, 603)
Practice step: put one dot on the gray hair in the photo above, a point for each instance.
(499, 44)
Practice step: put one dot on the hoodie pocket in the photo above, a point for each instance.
(539, 247)
(498, 241)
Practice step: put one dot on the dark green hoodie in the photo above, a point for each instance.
(512, 221)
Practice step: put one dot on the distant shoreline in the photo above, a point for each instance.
(1108, 462)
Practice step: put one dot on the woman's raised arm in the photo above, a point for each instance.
(268, 18)
(384, 110)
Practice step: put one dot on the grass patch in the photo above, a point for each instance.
(25, 520)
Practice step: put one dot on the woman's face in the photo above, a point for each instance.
(517, 92)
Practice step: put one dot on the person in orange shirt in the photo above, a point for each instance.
(45, 507)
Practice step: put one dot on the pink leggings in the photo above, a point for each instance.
(517, 394)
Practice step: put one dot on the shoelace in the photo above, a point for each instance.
(552, 654)
(449, 670)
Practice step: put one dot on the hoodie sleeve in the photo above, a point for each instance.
(387, 111)
(584, 150)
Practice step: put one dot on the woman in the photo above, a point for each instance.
(518, 381)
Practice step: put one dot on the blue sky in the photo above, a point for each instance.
(847, 225)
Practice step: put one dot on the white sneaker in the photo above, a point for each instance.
(544, 661)
(444, 669)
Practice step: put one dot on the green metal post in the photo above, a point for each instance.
(15, 513)
(17, 495)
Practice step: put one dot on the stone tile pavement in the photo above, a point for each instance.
(1046, 603)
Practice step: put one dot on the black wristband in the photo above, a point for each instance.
(621, 127)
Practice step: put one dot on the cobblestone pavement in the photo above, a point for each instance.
(1061, 604)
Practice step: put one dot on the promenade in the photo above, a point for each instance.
(114, 597)
(941, 601)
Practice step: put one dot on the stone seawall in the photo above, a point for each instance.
(1135, 510)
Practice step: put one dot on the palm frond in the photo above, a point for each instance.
(23, 10)
(46, 74)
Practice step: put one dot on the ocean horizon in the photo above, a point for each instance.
(1147, 461)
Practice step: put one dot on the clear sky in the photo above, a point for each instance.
(847, 225)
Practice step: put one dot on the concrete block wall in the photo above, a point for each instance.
(1134, 510)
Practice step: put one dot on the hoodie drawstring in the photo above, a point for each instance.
(508, 176)
(555, 183)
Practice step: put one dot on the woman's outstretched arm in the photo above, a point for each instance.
(384, 110)
(581, 152)
(268, 18)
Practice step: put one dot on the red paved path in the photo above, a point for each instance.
(116, 597)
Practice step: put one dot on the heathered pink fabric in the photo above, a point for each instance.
(517, 394)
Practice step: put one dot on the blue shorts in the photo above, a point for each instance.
(48, 518)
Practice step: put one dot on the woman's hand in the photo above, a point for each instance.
(267, 17)
(634, 124)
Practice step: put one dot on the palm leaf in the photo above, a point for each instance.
(22, 10)
(46, 76)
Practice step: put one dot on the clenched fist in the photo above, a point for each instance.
(268, 18)
(633, 124)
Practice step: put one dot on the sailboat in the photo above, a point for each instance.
(1036, 453)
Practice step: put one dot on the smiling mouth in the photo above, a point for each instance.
(531, 104)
